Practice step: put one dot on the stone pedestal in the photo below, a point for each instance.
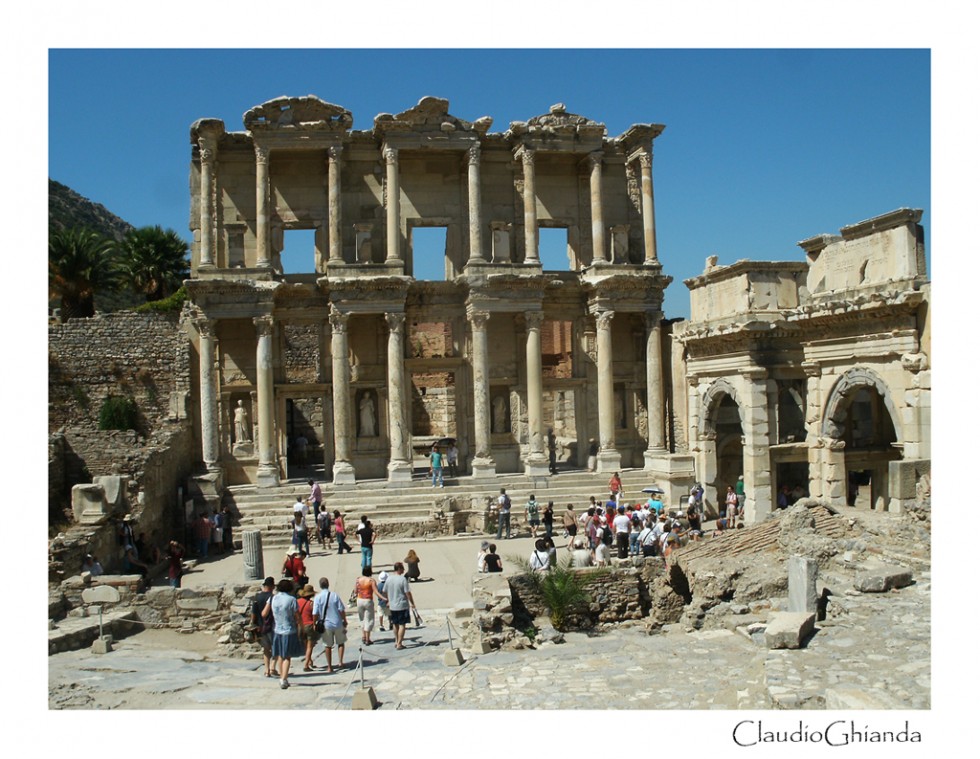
(398, 471)
(102, 645)
(364, 698)
(88, 504)
(674, 472)
(343, 473)
(608, 462)
(802, 584)
(252, 555)
(453, 657)
(114, 487)
(484, 468)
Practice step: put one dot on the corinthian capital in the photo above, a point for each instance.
(261, 153)
(595, 159)
(478, 319)
(334, 152)
(263, 325)
(396, 321)
(646, 159)
(526, 155)
(533, 319)
(603, 319)
(205, 327)
(473, 154)
(338, 320)
(207, 150)
(391, 155)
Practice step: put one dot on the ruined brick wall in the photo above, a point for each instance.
(433, 404)
(143, 356)
(56, 469)
(301, 353)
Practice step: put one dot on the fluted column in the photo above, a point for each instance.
(393, 215)
(595, 198)
(655, 388)
(399, 463)
(608, 459)
(530, 208)
(262, 207)
(646, 193)
(209, 394)
(483, 463)
(268, 472)
(207, 202)
(333, 203)
(476, 223)
(343, 469)
(537, 463)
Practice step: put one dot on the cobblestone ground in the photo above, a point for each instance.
(875, 654)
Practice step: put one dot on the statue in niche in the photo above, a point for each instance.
(368, 418)
(242, 431)
(499, 414)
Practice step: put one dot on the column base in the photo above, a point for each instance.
(609, 461)
(343, 473)
(484, 468)
(536, 466)
(267, 476)
(399, 471)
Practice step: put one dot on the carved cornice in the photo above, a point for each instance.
(307, 113)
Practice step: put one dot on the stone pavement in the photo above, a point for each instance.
(873, 654)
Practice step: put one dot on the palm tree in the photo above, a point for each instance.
(153, 261)
(80, 262)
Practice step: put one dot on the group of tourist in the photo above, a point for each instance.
(439, 461)
(290, 617)
(212, 532)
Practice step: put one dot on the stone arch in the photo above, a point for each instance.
(709, 405)
(835, 412)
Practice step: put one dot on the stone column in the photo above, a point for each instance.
(476, 223)
(393, 215)
(209, 395)
(755, 452)
(252, 555)
(343, 470)
(595, 197)
(649, 224)
(537, 462)
(333, 204)
(609, 458)
(657, 442)
(530, 208)
(207, 202)
(483, 463)
(262, 259)
(399, 463)
(814, 441)
(268, 472)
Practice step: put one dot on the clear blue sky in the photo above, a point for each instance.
(762, 147)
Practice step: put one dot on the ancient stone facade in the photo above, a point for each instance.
(356, 366)
(816, 375)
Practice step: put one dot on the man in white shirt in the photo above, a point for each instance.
(621, 525)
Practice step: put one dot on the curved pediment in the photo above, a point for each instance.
(431, 114)
(309, 112)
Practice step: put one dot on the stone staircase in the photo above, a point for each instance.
(417, 509)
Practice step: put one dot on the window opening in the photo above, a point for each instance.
(298, 254)
(553, 248)
(429, 253)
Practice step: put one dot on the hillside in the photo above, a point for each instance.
(68, 209)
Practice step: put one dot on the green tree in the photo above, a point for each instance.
(153, 261)
(80, 262)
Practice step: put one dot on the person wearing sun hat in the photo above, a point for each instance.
(307, 630)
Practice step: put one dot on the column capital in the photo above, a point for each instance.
(473, 154)
(603, 319)
(525, 154)
(261, 153)
(654, 319)
(263, 325)
(395, 320)
(811, 368)
(208, 148)
(334, 152)
(205, 327)
(478, 319)
(390, 155)
(754, 373)
(595, 159)
(646, 159)
(533, 319)
(338, 320)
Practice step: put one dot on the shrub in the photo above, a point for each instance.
(118, 412)
(562, 589)
(173, 302)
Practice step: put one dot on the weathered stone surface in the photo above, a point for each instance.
(207, 603)
(802, 584)
(883, 578)
(105, 594)
(789, 629)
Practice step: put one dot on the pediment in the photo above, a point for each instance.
(431, 114)
(308, 112)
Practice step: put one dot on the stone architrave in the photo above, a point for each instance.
(88, 504)
(802, 584)
(252, 555)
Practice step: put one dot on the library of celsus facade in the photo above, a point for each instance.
(356, 365)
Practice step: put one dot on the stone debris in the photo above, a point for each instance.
(881, 579)
(789, 629)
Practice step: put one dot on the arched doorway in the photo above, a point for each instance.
(861, 415)
(722, 443)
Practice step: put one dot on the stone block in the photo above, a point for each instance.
(161, 597)
(883, 578)
(364, 698)
(845, 699)
(206, 603)
(789, 629)
(114, 487)
(452, 657)
(802, 584)
(88, 504)
(101, 594)
(102, 645)
(481, 646)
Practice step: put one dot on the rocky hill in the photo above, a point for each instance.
(68, 209)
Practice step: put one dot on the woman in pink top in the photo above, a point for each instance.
(338, 528)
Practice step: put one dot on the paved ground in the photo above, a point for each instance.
(876, 654)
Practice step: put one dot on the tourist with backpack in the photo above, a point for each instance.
(262, 625)
(503, 513)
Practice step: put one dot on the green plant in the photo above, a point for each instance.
(80, 262)
(561, 588)
(80, 396)
(173, 302)
(530, 632)
(118, 412)
(153, 261)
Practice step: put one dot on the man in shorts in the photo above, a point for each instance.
(328, 607)
(400, 602)
(262, 627)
